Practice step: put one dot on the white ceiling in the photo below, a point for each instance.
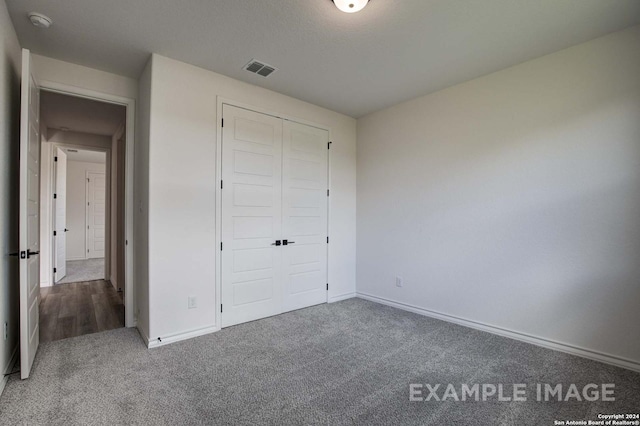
(86, 156)
(80, 115)
(358, 63)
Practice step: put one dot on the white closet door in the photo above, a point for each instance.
(304, 215)
(96, 214)
(251, 215)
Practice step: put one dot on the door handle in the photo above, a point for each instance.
(277, 243)
(22, 254)
(31, 253)
(286, 242)
(66, 230)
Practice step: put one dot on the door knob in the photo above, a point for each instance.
(22, 254)
(66, 230)
(277, 243)
(286, 242)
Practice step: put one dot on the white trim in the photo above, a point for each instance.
(512, 334)
(341, 297)
(130, 105)
(161, 341)
(12, 362)
(220, 101)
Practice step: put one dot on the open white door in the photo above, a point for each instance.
(96, 214)
(60, 221)
(29, 216)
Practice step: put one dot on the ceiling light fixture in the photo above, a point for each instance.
(39, 20)
(350, 6)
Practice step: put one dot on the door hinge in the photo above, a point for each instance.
(327, 192)
(221, 184)
(55, 233)
(55, 159)
(220, 246)
(327, 240)
(327, 286)
(55, 270)
(221, 308)
(329, 145)
(55, 196)
(222, 124)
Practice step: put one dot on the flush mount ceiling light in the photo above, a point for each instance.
(39, 20)
(350, 6)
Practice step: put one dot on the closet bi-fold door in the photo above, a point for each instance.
(251, 216)
(304, 215)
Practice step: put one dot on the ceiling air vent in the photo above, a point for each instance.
(259, 68)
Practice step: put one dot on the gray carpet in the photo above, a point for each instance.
(346, 363)
(83, 270)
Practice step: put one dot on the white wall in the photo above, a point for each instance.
(77, 207)
(182, 189)
(9, 135)
(53, 70)
(141, 204)
(78, 138)
(513, 200)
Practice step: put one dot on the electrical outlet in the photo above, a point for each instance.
(399, 281)
(192, 302)
(6, 330)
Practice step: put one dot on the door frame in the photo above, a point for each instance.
(220, 101)
(107, 214)
(52, 182)
(130, 106)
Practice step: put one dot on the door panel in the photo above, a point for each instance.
(304, 215)
(96, 214)
(29, 227)
(60, 224)
(251, 215)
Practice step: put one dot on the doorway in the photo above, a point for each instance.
(82, 212)
(79, 215)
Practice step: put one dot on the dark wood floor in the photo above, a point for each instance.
(68, 310)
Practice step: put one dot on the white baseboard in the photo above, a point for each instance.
(165, 340)
(7, 369)
(340, 297)
(76, 258)
(535, 340)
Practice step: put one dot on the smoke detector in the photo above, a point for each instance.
(260, 68)
(39, 20)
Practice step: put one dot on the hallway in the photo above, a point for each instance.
(75, 309)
